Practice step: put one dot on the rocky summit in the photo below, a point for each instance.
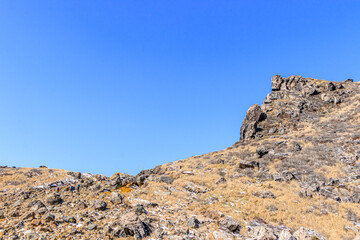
(293, 175)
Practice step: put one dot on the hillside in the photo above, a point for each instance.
(294, 174)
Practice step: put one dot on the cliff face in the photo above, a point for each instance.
(294, 174)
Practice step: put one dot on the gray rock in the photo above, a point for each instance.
(28, 215)
(165, 179)
(244, 164)
(54, 199)
(193, 222)
(276, 82)
(100, 205)
(221, 181)
(68, 219)
(119, 180)
(264, 194)
(261, 151)
(263, 233)
(286, 235)
(92, 227)
(331, 86)
(139, 209)
(295, 147)
(31, 235)
(230, 224)
(95, 188)
(220, 235)
(36, 205)
(116, 198)
(76, 175)
(49, 218)
(306, 234)
(249, 128)
(131, 225)
(20, 225)
(327, 98)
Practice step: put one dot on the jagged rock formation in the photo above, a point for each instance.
(294, 174)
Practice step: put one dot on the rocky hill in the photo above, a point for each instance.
(294, 174)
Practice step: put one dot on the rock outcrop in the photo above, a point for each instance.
(249, 126)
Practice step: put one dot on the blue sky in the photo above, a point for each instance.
(120, 86)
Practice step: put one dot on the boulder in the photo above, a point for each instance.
(286, 235)
(261, 151)
(230, 224)
(331, 86)
(30, 235)
(76, 175)
(193, 222)
(249, 126)
(327, 98)
(220, 235)
(49, 217)
(264, 194)
(69, 219)
(221, 180)
(28, 215)
(139, 209)
(292, 83)
(284, 176)
(54, 199)
(36, 205)
(92, 226)
(119, 180)
(81, 205)
(244, 164)
(100, 205)
(307, 234)
(95, 187)
(295, 147)
(263, 233)
(116, 198)
(276, 82)
(132, 226)
(20, 225)
(165, 179)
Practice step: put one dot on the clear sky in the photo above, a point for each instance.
(120, 86)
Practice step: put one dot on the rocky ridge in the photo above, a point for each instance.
(294, 174)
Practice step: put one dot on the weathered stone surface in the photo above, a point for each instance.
(139, 209)
(31, 235)
(306, 234)
(286, 235)
(261, 151)
(249, 126)
(264, 194)
(230, 224)
(132, 226)
(119, 180)
(193, 222)
(165, 179)
(221, 235)
(262, 233)
(68, 219)
(276, 82)
(100, 205)
(116, 198)
(54, 199)
(49, 217)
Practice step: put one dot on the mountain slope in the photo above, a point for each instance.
(294, 174)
